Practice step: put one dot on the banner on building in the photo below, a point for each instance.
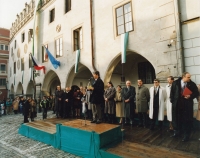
(77, 60)
(22, 77)
(124, 43)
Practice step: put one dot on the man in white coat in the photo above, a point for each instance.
(157, 104)
(170, 80)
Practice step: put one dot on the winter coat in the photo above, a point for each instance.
(176, 95)
(198, 110)
(162, 98)
(98, 92)
(142, 99)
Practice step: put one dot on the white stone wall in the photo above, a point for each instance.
(191, 37)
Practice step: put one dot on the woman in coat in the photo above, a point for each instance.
(16, 105)
(198, 110)
(119, 105)
(109, 96)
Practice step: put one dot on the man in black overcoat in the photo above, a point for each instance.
(26, 110)
(128, 98)
(59, 101)
(67, 101)
(182, 105)
(96, 97)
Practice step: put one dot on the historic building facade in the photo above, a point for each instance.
(160, 43)
(4, 56)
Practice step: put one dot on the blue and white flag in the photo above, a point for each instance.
(124, 43)
(14, 79)
(77, 60)
(22, 77)
(54, 62)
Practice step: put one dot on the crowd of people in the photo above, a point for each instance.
(120, 104)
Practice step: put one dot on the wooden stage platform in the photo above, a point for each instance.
(137, 142)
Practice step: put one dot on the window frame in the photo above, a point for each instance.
(50, 15)
(1, 83)
(116, 25)
(15, 44)
(58, 54)
(15, 67)
(23, 37)
(2, 47)
(1, 69)
(66, 7)
(22, 64)
(79, 38)
(7, 47)
(44, 53)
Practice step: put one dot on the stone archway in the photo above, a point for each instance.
(81, 78)
(50, 82)
(30, 89)
(135, 67)
(19, 90)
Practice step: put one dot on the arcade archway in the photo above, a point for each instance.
(81, 78)
(12, 91)
(30, 89)
(51, 80)
(135, 67)
(19, 90)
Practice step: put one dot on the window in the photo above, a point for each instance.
(30, 32)
(78, 39)
(59, 50)
(52, 15)
(6, 47)
(146, 72)
(67, 5)
(23, 37)
(15, 44)
(1, 47)
(2, 68)
(30, 62)
(44, 54)
(14, 67)
(124, 19)
(2, 82)
(22, 64)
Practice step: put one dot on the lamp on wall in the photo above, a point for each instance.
(171, 42)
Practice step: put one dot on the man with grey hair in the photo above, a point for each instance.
(128, 97)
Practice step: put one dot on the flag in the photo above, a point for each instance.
(54, 62)
(124, 43)
(77, 60)
(36, 64)
(30, 73)
(14, 79)
(22, 77)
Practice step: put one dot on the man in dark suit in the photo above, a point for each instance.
(67, 101)
(59, 101)
(128, 98)
(182, 105)
(96, 97)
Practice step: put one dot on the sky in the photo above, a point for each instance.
(8, 11)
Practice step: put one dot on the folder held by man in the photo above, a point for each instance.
(187, 91)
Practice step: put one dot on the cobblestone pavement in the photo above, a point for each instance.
(14, 145)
